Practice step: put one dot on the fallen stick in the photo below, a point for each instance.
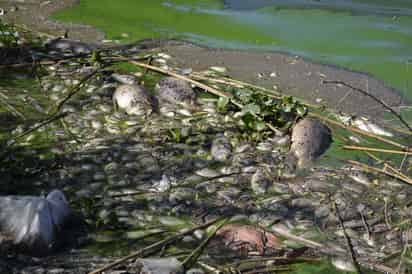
(152, 247)
(391, 151)
(190, 260)
(74, 90)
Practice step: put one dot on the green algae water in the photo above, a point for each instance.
(368, 36)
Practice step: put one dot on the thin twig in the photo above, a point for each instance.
(150, 248)
(191, 259)
(74, 90)
(41, 124)
(366, 93)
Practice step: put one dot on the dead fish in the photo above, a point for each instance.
(310, 139)
(133, 99)
(221, 149)
(366, 125)
(176, 92)
(67, 45)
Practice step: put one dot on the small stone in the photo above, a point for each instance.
(195, 271)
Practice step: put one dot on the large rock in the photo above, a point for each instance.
(30, 223)
(310, 139)
(133, 99)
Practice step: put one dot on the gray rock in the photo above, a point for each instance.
(133, 99)
(310, 139)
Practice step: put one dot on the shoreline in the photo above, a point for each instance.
(294, 75)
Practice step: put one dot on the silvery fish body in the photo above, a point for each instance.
(31, 222)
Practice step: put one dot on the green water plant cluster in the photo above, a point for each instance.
(260, 111)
